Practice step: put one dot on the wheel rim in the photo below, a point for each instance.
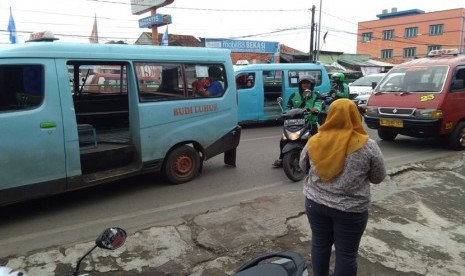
(295, 166)
(462, 137)
(183, 165)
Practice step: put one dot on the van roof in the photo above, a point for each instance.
(451, 60)
(112, 51)
(278, 66)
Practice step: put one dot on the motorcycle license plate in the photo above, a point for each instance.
(391, 123)
(293, 122)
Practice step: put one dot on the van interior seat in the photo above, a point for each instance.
(87, 130)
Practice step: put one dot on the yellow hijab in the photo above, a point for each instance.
(339, 136)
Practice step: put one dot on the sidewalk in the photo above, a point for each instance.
(416, 227)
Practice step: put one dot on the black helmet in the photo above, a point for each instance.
(309, 79)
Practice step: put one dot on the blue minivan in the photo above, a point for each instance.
(259, 86)
(77, 115)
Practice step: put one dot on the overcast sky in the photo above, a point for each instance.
(270, 20)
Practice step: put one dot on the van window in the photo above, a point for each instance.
(414, 79)
(21, 87)
(174, 81)
(97, 79)
(100, 94)
(295, 75)
(458, 83)
(246, 80)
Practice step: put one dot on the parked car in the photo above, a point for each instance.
(105, 83)
(391, 82)
(364, 85)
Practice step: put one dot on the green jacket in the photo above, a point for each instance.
(342, 93)
(296, 101)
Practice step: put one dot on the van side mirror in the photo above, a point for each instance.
(373, 84)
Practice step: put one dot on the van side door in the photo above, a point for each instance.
(31, 130)
(453, 105)
(250, 93)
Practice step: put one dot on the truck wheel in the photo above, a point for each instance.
(386, 135)
(291, 165)
(457, 137)
(182, 164)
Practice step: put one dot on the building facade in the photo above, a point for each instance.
(398, 36)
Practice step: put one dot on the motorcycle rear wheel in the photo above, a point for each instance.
(291, 165)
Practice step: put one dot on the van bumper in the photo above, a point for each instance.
(411, 127)
(229, 141)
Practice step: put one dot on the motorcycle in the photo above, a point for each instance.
(288, 264)
(326, 101)
(296, 131)
(110, 239)
(278, 263)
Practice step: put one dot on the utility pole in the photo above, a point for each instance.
(316, 38)
(319, 32)
(312, 32)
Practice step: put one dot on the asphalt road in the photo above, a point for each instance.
(144, 201)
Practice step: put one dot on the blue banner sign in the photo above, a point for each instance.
(242, 46)
(155, 20)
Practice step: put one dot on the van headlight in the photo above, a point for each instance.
(428, 113)
(371, 111)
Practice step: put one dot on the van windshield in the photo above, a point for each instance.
(414, 79)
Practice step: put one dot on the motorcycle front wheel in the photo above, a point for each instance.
(291, 165)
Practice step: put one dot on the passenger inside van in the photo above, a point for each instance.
(249, 82)
(200, 85)
(215, 77)
(169, 81)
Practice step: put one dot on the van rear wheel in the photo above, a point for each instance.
(182, 164)
(386, 135)
(457, 137)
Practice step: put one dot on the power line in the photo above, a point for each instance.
(202, 9)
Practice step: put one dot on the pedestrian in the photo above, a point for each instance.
(343, 162)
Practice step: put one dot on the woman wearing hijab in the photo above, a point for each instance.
(343, 162)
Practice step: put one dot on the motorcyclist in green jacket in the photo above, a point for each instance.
(304, 98)
(340, 89)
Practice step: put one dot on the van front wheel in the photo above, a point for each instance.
(457, 137)
(182, 164)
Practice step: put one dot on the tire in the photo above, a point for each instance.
(386, 135)
(181, 165)
(291, 165)
(457, 137)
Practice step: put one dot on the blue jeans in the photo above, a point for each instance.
(331, 226)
